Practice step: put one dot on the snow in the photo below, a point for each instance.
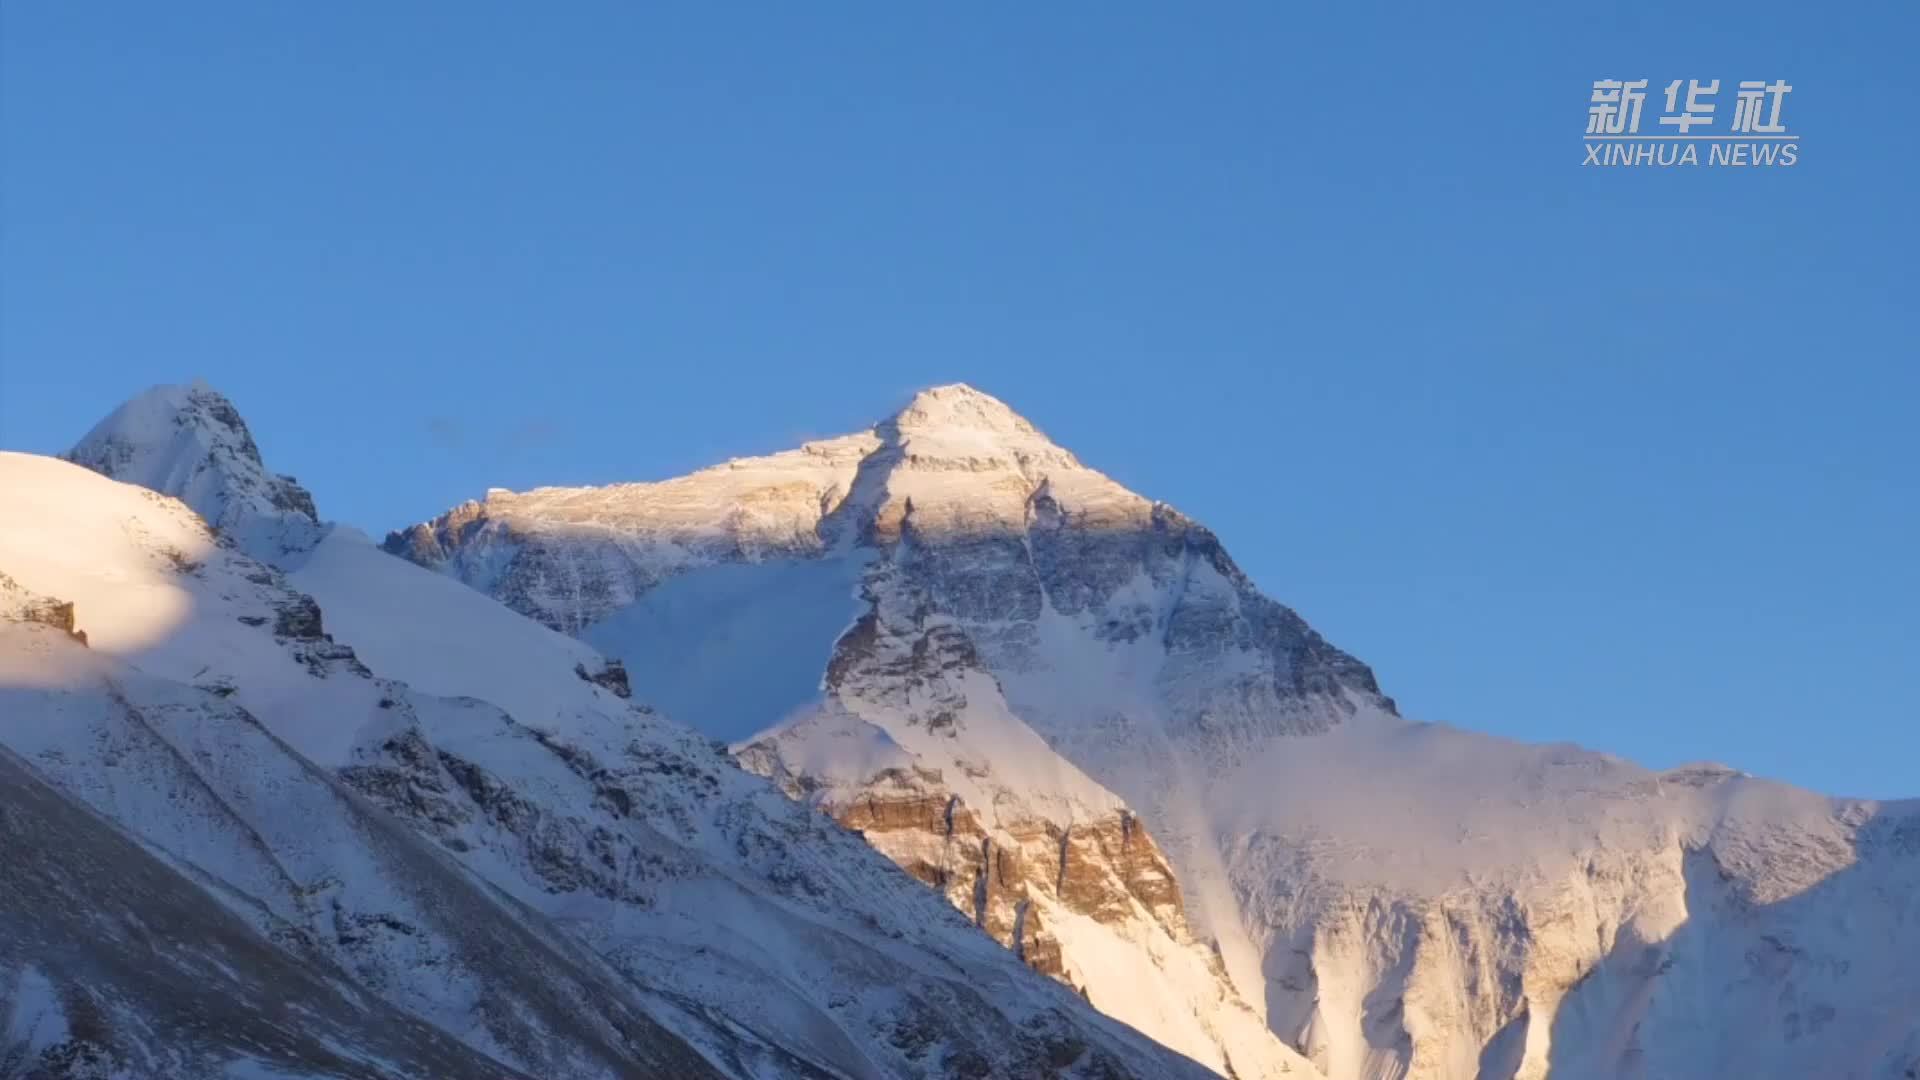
(33, 1019)
(150, 587)
(190, 442)
(526, 815)
(1183, 1009)
(1397, 899)
(441, 637)
(833, 746)
(1400, 898)
(115, 552)
(1341, 871)
(741, 583)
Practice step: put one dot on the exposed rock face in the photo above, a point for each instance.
(1396, 899)
(298, 618)
(19, 604)
(1000, 529)
(1091, 857)
(975, 535)
(612, 677)
(1108, 870)
(943, 780)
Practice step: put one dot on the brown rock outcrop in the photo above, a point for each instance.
(1109, 870)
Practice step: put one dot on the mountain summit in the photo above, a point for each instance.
(960, 424)
(914, 602)
(1064, 707)
(957, 406)
(189, 441)
(1014, 526)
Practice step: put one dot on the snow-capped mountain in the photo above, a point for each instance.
(278, 804)
(998, 663)
(862, 590)
(191, 442)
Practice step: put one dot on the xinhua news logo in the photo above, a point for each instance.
(1755, 135)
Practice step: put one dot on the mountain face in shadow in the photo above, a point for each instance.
(87, 992)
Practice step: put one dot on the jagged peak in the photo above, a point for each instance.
(189, 441)
(156, 413)
(957, 406)
(953, 426)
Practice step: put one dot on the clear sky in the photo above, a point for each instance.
(1624, 457)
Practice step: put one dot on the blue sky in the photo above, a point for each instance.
(1620, 457)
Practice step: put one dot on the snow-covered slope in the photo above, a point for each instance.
(207, 715)
(84, 992)
(916, 608)
(457, 817)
